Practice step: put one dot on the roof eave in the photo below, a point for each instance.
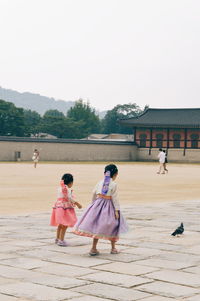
(161, 125)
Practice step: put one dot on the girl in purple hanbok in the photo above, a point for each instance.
(103, 218)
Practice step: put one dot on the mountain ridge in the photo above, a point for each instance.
(34, 101)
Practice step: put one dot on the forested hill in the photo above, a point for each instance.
(35, 102)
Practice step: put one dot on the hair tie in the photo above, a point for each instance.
(107, 174)
(106, 182)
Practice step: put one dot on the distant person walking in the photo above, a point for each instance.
(35, 157)
(166, 161)
(161, 157)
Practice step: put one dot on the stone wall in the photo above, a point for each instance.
(66, 150)
(174, 155)
(88, 150)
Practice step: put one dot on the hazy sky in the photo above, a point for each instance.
(106, 51)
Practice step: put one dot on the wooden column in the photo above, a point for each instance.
(150, 142)
(134, 133)
(168, 131)
(185, 141)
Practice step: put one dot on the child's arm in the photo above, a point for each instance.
(72, 199)
(78, 205)
(117, 214)
(115, 201)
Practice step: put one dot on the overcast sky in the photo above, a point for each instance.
(106, 51)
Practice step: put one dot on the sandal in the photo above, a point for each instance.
(94, 253)
(62, 243)
(114, 251)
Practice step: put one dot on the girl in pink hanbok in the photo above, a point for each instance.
(63, 213)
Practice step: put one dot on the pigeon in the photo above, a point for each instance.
(179, 230)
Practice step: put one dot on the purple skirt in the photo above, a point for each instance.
(98, 221)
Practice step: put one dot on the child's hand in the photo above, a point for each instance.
(78, 205)
(116, 214)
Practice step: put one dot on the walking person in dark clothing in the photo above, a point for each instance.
(166, 161)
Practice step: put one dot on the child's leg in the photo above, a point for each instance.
(162, 168)
(159, 170)
(94, 245)
(61, 236)
(112, 244)
(62, 232)
(113, 248)
(58, 231)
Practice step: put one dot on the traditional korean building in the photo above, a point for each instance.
(166, 128)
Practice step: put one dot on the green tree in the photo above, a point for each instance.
(110, 122)
(60, 126)
(83, 113)
(11, 120)
(53, 113)
(52, 125)
(32, 120)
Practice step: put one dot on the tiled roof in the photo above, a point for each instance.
(166, 118)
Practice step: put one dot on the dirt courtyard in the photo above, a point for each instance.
(24, 189)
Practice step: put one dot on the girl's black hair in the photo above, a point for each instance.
(67, 178)
(112, 168)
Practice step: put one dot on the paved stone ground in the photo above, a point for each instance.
(152, 265)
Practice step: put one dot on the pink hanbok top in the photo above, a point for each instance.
(65, 198)
(63, 212)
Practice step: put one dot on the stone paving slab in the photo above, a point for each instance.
(9, 248)
(159, 298)
(56, 281)
(159, 246)
(168, 289)
(28, 243)
(24, 263)
(37, 292)
(166, 264)
(126, 268)
(15, 273)
(7, 256)
(110, 292)
(152, 265)
(177, 277)
(105, 249)
(123, 257)
(8, 298)
(4, 280)
(116, 279)
(194, 298)
(193, 250)
(89, 298)
(142, 251)
(80, 261)
(59, 270)
(189, 258)
(195, 270)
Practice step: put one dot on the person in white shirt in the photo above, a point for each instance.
(166, 161)
(161, 157)
(35, 157)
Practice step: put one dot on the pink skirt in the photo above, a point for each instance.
(66, 217)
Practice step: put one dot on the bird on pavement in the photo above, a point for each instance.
(178, 230)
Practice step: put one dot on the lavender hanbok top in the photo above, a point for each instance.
(99, 219)
(112, 191)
